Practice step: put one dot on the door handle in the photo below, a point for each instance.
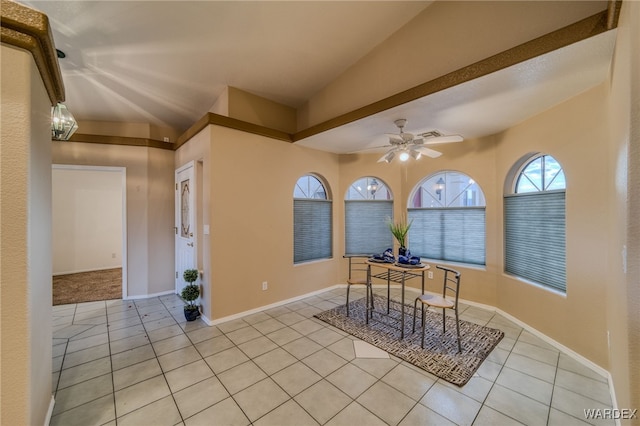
(191, 234)
(190, 244)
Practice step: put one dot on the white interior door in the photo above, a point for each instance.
(185, 223)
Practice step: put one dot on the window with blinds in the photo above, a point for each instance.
(368, 208)
(312, 221)
(447, 215)
(535, 223)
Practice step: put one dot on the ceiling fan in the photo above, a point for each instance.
(407, 145)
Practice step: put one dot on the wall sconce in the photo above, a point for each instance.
(373, 187)
(439, 188)
(63, 125)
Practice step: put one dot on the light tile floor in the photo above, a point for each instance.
(140, 363)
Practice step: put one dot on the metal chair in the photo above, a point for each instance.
(451, 287)
(357, 264)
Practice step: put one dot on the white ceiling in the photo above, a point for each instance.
(166, 63)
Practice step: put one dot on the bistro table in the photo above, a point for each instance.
(397, 273)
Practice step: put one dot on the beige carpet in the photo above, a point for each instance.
(87, 286)
(440, 355)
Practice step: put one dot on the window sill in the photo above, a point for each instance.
(535, 284)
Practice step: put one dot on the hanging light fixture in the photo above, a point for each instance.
(63, 125)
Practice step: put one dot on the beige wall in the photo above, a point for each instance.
(575, 134)
(149, 200)
(252, 181)
(25, 218)
(86, 219)
(623, 291)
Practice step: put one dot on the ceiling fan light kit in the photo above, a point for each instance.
(410, 146)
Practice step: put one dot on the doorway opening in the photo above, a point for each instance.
(89, 254)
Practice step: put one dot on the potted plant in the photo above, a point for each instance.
(400, 230)
(189, 294)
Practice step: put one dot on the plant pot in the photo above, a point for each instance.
(402, 251)
(191, 314)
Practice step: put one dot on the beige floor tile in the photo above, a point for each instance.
(421, 415)
(98, 411)
(386, 402)
(532, 387)
(275, 360)
(84, 392)
(307, 326)
(302, 348)
(87, 342)
(229, 358)
(178, 358)
(241, 377)
(200, 396)
(204, 333)
(570, 364)
(291, 318)
(123, 333)
(80, 373)
(584, 386)
(188, 375)
(225, 412)
(344, 348)
(355, 414)
(141, 394)
(351, 380)
(256, 347)
(517, 406)
(325, 336)
(260, 398)
(558, 418)
(323, 401)
(85, 355)
(243, 335)
(213, 346)
(574, 404)
(296, 378)
(284, 336)
(159, 413)
(324, 362)
(376, 367)
(490, 417)
(171, 344)
(268, 326)
(542, 354)
(451, 404)
(531, 367)
(136, 373)
(288, 414)
(133, 356)
(129, 343)
(233, 325)
(408, 381)
(165, 333)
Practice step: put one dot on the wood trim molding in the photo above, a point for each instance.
(29, 29)
(232, 123)
(120, 140)
(565, 36)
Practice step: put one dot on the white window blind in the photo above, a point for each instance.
(366, 226)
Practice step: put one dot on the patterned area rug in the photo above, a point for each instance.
(440, 356)
(87, 286)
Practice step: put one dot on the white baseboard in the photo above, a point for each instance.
(146, 296)
(47, 419)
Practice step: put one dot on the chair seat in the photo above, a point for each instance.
(352, 281)
(436, 301)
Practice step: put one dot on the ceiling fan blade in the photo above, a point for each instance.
(427, 151)
(444, 139)
(370, 148)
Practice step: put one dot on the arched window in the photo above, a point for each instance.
(368, 206)
(312, 220)
(447, 215)
(534, 217)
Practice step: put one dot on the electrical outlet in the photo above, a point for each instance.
(265, 285)
(430, 275)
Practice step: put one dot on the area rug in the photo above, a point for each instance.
(87, 286)
(440, 356)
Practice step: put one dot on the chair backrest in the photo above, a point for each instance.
(357, 264)
(451, 283)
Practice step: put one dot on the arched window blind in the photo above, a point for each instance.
(534, 218)
(312, 220)
(368, 207)
(447, 215)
